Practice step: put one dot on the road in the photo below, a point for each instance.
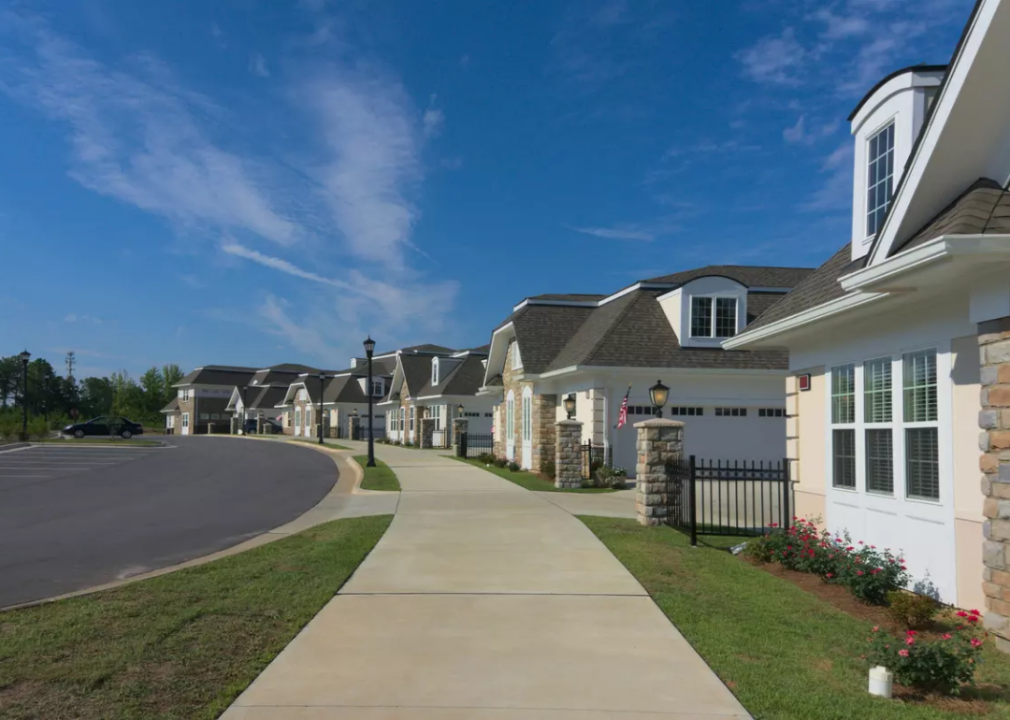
(75, 517)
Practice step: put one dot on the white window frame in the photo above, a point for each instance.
(185, 420)
(436, 414)
(434, 372)
(411, 414)
(844, 426)
(381, 384)
(867, 210)
(403, 415)
(527, 418)
(897, 425)
(713, 316)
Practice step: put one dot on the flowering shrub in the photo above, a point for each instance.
(942, 665)
(868, 573)
(911, 610)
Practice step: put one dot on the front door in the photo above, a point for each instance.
(298, 421)
(527, 428)
(510, 426)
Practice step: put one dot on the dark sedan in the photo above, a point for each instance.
(105, 425)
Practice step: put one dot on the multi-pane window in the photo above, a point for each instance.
(877, 400)
(403, 414)
(725, 317)
(185, 420)
(701, 317)
(730, 412)
(880, 175)
(771, 412)
(436, 413)
(683, 411)
(713, 317)
(843, 412)
(922, 463)
(527, 418)
(378, 388)
(412, 418)
(510, 418)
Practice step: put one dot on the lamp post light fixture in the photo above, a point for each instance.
(25, 357)
(369, 349)
(459, 410)
(570, 405)
(659, 394)
(322, 380)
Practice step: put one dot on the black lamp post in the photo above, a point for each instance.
(369, 349)
(659, 394)
(459, 410)
(322, 379)
(570, 405)
(25, 357)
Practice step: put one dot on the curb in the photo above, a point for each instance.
(339, 459)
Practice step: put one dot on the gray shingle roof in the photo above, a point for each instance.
(266, 398)
(464, 379)
(428, 348)
(568, 296)
(751, 276)
(542, 331)
(820, 287)
(416, 373)
(982, 209)
(172, 406)
(218, 375)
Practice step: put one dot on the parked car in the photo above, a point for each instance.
(105, 425)
(250, 426)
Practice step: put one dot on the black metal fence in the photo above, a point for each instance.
(728, 497)
(440, 438)
(471, 445)
(593, 458)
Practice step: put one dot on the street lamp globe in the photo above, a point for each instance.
(459, 410)
(659, 394)
(25, 356)
(369, 346)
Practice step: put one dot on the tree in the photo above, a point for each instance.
(10, 374)
(96, 396)
(170, 375)
(153, 384)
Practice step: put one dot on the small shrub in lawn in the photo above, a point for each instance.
(548, 469)
(609, 477)
(761, 549)
(941, 665)
(910, 610)
(870, 574)
(501, 462)
(408, 443)
(486, 458)
(514, 466)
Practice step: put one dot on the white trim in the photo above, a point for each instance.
(562, 303)
(652, 370)
(819, 312)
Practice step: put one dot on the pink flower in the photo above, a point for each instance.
(973, 618)
(850, 547)
(860, 542)
(911, 632)
(975, 642)
(910, 640)
(859, 572)
(975, 612)
(873, 547)
(946, 636)
(876, 628)
(830, 575)
(773, 524)
(903, 653)
(961, 613)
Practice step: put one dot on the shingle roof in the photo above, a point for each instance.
(633, 331)
(292, 368)
(751, 276)
(542, 331)
(266, 397)
(416, 373)
(982, 209)
(172, 406)
(434, 349)
(568, 296)
(819, 287)
(218, 375)
(464, 379)
(344, 389)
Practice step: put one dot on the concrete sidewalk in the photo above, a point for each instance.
(484, 600)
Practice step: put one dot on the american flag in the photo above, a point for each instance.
(622, 418)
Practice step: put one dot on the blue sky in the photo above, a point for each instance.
(255, 182)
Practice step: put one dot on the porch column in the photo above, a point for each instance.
(659, 442)
(459, 426)
(259, 424)
(427, 433)
(568, 454)
(353, 422)
(994, 442)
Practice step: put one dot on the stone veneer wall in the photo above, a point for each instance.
(568, 454)
(544, 417)
(659, 442)
(994, 441)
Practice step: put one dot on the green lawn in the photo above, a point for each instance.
(132, 442)
(315, 441)
(783, 652)
(528, 480)
(380, 477)
(182, 645)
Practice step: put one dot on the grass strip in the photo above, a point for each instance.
(529, 480)
(380, 477)
(783, 652)
(179, 646)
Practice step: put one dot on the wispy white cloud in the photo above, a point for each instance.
(800, 133)
(75, 318)
(617, 233)
(433, 119)
(134, 136)
(774, 59)
(835, 190)
(258, 65)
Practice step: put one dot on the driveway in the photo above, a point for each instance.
(72, 517)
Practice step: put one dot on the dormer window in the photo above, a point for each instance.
(378, 388)
(434, 371)
(880, 176)
(713, 317)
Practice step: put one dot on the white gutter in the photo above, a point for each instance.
(825, 310)
(652, 370)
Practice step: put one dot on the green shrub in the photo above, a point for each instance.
(548, 469)
(911, 610)
(762, 549)
(942, 665)
(514, 466)
(501, 462)
(486, 458)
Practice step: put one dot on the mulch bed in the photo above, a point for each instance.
(973, 701)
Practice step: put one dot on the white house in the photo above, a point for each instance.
(669, 328)
(884, 338)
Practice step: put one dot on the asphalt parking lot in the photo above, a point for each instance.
(76, 516)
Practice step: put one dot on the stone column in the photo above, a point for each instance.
(353, 423)
(568, 454)
(427, 433)
(659, 442)
(994, 442)
(259, 424)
